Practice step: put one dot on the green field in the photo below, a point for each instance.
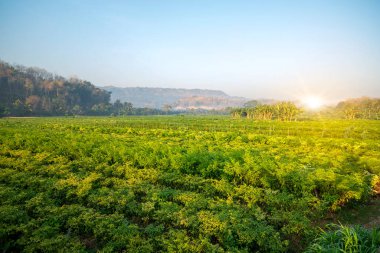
(179, 183)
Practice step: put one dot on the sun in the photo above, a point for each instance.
(313, 102)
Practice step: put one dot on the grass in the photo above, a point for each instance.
(348, 239)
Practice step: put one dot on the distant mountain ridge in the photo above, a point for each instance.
(178, 99)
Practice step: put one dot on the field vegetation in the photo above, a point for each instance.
(181, 183)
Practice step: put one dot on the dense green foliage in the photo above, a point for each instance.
(178, 184)
(347, 239)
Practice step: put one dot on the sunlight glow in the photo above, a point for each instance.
(313, 102)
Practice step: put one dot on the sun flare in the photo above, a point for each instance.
(313, 102)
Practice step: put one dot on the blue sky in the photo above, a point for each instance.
(256, 49)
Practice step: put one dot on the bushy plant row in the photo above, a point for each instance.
(89, 184)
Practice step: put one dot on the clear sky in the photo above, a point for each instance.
(256, 49)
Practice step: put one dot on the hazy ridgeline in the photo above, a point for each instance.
(36, 92)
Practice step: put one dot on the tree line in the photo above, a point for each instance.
(360, 108)
(283, 111)
(353, 108)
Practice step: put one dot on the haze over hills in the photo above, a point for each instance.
(31, 91)
(178, 99)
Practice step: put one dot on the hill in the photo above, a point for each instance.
(34, 91)
(178, 99)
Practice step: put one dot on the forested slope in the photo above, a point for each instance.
(33, 91)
